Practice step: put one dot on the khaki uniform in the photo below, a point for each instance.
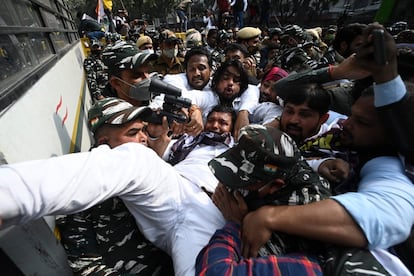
(162, 67)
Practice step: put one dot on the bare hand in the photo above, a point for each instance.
(232, 206)
(158, 130)
(255, 233)
(275, 123)
(158, 138)
(362, 64)
(335, 170)
(241, 121)
(249, 65)
(365, 55)
(195, 126)
(349, 69)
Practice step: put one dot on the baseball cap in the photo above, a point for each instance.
(123, 55)
(262, 154)
(114, 111)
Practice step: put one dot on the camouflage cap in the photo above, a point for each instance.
(123, 55)
(262, 154)
(114, 111)
(223, 35)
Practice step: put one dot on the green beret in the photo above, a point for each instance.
(248, 33)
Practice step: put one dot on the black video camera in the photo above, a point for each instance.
(173, 102)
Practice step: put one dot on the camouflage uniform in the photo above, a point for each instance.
(104, 240)
(96, 76)
(264, 154)
(217, 56)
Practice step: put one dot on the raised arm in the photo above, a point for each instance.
(385, 194)
(326, 220)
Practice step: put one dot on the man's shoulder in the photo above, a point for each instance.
(388, 168)
(175, 77)
(382, 164)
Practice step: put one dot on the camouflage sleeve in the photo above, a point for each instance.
(79, 240)
(92, 77)
(310, 76)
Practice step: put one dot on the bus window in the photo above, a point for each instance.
(34, 34)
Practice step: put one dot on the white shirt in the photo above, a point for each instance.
(209, 23)
(195, 165)
(206, 99)
(265, 112)
(172, 212)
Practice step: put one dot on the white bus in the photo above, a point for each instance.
(43, 103)
(43, 96)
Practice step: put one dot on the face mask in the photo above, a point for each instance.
(170, 53)
(148, 51)
(330, 37)
(139, 91)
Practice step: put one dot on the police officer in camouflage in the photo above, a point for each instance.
(96, 75)
(104, 239)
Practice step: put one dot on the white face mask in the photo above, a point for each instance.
(170, 53)
(147, 51)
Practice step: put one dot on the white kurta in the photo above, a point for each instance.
(173, 213)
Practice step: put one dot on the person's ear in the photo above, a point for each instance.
(102, 140)
(115, 83)
(324, 118)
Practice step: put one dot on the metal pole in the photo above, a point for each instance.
(123, 6)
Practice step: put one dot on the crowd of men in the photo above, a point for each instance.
(294, 156)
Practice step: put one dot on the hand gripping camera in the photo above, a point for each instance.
(173, 102)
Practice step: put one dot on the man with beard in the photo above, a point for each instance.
(268, 107)
(383, 192)
(105, 239)
(231, 87)
(194, 81)
(346, 42)
(239, 51)
(195, 85)
(168, 62)
(305, 110)
(250, 38)
(266, 168)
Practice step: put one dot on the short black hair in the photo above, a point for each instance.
(212, 32)
(232, 47)
(313, 94)
(197, 51)
(225, 109)
(347, 34)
